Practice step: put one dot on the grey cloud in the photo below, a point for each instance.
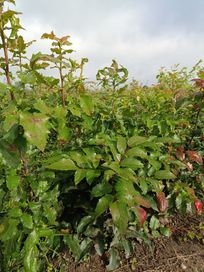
(143, 35)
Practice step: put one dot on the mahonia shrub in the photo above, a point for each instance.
(83, 170)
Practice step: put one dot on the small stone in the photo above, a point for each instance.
(183, 266)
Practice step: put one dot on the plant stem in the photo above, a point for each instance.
(61, 81)
(7, 70)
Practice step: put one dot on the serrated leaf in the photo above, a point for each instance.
(85, 221)
(121, 144)
(85, 247)
(132, 163)
(195, 156)
(9, 230)
(143, 185)
(141, 214)
(165, 231)
(103, 204)
(140, 200)
(99, 246)
(91, 175)
(27, 220)
(164, 174)
(10, 154)
(31, 253)
(162, 202)
(101, 189)
(42, 107)
(120, 215)
(136, 140)
(155, 163)
(180, 153)
(136, 152)
(154, 223)
(73, 243)
(13, 180)
(79, 175)
(36, 128)
(80, 159)
(114, 260)
(125, 191)
(86, 103)
(63, 165)
(128, 247)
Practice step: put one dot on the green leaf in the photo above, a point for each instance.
(74, 244)
(79, 175)
(132, 163)
(85, 247)
(30, 260)
(120, 215)
(128, 247)
(101, 189)
(103, 204)
(36, 128)
(85, 221)
(121, 144)
(27, 220)
(9, 230)
(13, 180)
(114, 261)
(156, 234)
(165, 231)
(164, 174)
(91, 175)
(136, 152)
(154, 223)
(99, 246)
(87, 105)
(143, 185)
(80, 159)
(136, 140)
(42, 107)
(156, 164)
(10, 154)
(63, 165)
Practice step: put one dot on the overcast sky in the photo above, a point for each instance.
(142, 35)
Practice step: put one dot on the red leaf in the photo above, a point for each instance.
(199, 206)
(141, 214)
(180, 153)
(162, 202)
(194, 156)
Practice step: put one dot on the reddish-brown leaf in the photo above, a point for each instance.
(199, 82)
(162, 202)
(12, 148)
(141, 214)
(180, 153)
(142, 201)
(191, 192)
(194, 156)
(189, 166)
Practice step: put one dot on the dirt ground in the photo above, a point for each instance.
(176, 254)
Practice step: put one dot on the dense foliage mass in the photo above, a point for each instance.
(91, 170)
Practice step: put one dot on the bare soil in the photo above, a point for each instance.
(176, 254)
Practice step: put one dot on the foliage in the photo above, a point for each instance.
(84, 171)
(112, 77)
